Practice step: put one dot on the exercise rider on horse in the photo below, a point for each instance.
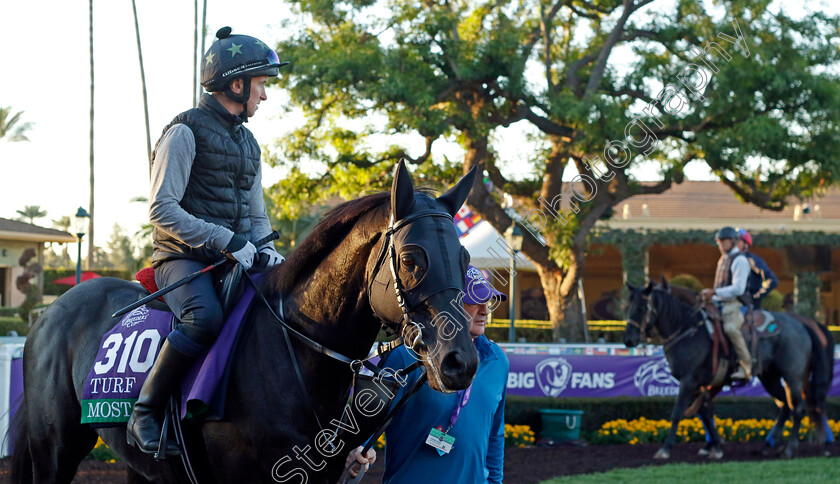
(729, 293)
(206, 199)
(762, 280)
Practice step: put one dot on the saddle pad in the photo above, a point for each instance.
(127, 353)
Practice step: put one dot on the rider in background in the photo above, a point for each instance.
(729, 293)
(474, 417)
(761, 280)
(206, 199)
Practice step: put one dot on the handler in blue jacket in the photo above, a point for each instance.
(476, 415)
(761, 280)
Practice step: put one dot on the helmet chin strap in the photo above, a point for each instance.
(241, 98)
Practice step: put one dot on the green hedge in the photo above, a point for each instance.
(8, 312)
(13, 323)
(597, 411)
(58, 289)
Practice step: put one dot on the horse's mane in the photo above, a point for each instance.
(332, 228)
(680, 306)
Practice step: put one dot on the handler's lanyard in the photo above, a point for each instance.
(464, 397)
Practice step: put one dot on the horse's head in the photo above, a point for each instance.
(417, 280)
(639, 314)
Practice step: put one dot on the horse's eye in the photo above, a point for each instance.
(407, 261)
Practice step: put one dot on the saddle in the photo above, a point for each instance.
(757, 325)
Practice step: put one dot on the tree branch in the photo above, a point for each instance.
(753, 195)
(612, 39)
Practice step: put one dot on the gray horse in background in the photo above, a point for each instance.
(796, 370)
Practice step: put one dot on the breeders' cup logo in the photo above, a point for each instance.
(553, 375)
(654, 378)
(135, 317)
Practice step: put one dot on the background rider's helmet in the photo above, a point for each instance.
(726, 233)
(745, 236)
(233, 56)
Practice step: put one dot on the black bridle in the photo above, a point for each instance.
(388, 249)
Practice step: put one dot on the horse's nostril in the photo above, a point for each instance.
(453, 364)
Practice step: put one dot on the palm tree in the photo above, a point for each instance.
(143, 83)
(30, 213)
(91, 248)
(11, 128)
(63, 224)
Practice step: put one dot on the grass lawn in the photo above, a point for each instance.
(815, 469)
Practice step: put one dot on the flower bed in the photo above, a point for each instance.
(518, 435)
(642, 430)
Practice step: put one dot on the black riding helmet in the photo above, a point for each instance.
(726, 233)
(233, 57)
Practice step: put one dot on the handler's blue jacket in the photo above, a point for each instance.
(478, 453)
(761, 280)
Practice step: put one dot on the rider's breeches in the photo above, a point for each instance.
(732, 321)
(195, 305)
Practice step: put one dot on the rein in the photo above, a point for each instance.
(670, 340)
(388, 249)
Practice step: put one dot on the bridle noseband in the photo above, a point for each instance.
(649, 314)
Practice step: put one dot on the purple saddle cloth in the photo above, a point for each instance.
(128, 351)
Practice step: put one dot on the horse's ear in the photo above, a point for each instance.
(630, 286)
(455, 196)
(648, 288)
(402, 192)
(665, 283)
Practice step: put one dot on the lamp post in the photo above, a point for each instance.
(79, 224)
(514, 237)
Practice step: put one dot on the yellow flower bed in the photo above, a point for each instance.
(518, 435)
(642, 430)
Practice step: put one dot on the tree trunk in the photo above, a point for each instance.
(90, 207)
(143, 83)
(563, 303)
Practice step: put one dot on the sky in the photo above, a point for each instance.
(46, 75)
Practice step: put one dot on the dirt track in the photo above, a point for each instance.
(522, 466)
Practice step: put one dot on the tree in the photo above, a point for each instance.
(30, 213)
(31, 269)
(11, 128)
(64, 260)
(607, 85)
(120, 250)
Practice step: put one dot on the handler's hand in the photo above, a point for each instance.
(707, 294)
(356, 457)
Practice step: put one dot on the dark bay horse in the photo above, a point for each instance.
(795, 369)
(337, 288)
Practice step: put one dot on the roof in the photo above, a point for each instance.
(710, 204)
(16, 230)
(488, 249)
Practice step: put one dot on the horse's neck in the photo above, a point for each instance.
(331, 304)
(678, 319)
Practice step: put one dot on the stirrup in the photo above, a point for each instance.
(164, 430)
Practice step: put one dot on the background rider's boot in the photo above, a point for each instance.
(144, 426)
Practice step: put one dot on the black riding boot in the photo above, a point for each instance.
(144, 426)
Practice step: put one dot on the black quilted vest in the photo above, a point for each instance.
(227, 159)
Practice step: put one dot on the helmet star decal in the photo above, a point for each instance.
(235, 49)
(261, 44)
(209, 57)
